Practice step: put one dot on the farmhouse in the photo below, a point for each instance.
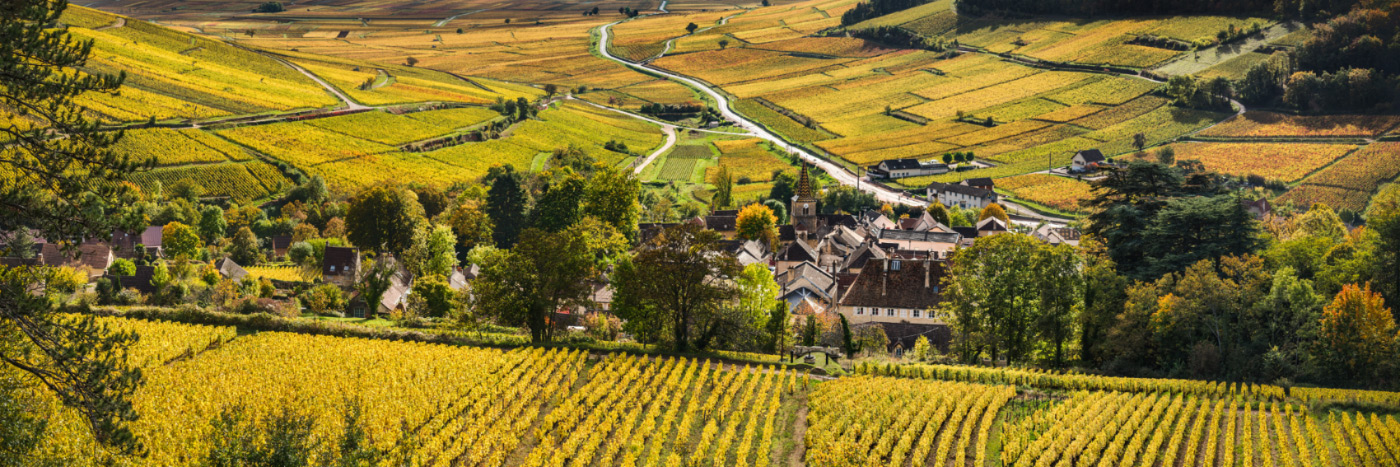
(893, 291)
(1086, 160)
(962, 196)
(980, 182)
(902, 168)
(341, 265)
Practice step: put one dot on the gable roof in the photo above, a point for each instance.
(1091, 155)
(230, 269)
(979, 181)
(991, 224)
(899, 164)
(807, 276)
(916, 236)
(153, 235)
(862, 255)
(94, 256)
(721, 223)
(893, 283)
(340, 260)
(798, 251)
(962, 189)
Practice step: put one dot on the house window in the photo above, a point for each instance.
(916, 313)
(332, 268)
(889, 312)
(860, 311)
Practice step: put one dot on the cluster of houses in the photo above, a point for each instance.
(873, 270)
(867, 267)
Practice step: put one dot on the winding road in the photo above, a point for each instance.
(836, 171)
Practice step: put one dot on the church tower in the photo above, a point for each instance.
(803, 214)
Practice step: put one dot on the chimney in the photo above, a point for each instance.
(885, 279)
(928, 264)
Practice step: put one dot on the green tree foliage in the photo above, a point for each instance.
(433, 200)
(1196, 93)
(326, 299)
(433, 252)
(471, 225)
(212, 225)
(239, 438)
(847, 199)
(558, 206)
(432, 297)
(543, 273)
(244, 248)
(1155, 219)
(1008, 293)
(383, 218)
(506, 204)
(122, 267)
(724, 188)
(376, 276)
(994, 210)
(779, 338)
(784, 187)
(180, 240)
(690, 28)
(611, 197)
(1383, 219)
(673, 289)
(940, 213)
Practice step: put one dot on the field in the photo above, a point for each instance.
(1287, 162)
(1256, 124)
(238, 181)
(749, 159)
(178, 147)
(351, 156)
(283, 273)
(457, 404)
(1049, 190)
(447, 405)
(1349, 183)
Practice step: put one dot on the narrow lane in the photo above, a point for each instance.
(836, 171)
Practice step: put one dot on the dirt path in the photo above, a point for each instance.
(799, 433)
(670, 141)
(119, 23)
(1193, 63)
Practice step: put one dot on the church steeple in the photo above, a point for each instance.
(804, 206)
(804, 186)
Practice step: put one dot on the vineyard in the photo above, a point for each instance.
(430, 404)
(241, 182)
(1286, 162)
(749, 159)
(1255, 124)
(1056, 192)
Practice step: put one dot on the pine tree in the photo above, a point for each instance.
(64, 187)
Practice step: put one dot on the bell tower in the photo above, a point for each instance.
(803, 214)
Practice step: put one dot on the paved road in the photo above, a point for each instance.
(836, 171)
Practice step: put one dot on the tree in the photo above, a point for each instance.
(756, 293)
(1139, 141)
(558, 207)
(1166, 155)
(994, 210)
(757, 222)
(811, 331)
(1057, 274)
(383, 218)
(1319, 221)
(543, 273)
(270, 7)
(690, 28)
(724, 187)
(611, 196)
(995, 292)
(335, 228)
(411, 61)
(325, 299)
(432, 297)
(304, 232)
(212, 224)
(777, 327)
(122, 267)
(433, 252)
(723, 43)
(244, 249)
(376, 276)
(848, 345)
(433, 200)
(550, 89)
(922, 349)
(784, 187)
(1357, 334)
(1103, 300)
(939, 213)
(471, 225)
(1383, 218)
(180, 240)
(506, 204)
(674, 287)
